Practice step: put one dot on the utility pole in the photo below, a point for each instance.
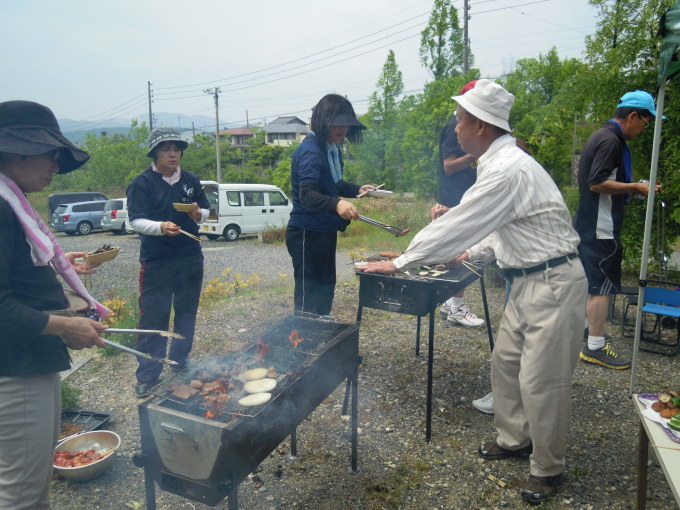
(215, 92)
(148, 83)
(466, 40)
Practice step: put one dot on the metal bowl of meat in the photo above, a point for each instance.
(86, 456)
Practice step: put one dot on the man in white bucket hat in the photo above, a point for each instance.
(516, 213)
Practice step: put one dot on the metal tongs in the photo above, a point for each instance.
(167, 334)
(138, 353)
(392, 230)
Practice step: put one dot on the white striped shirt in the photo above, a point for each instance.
(514, 211)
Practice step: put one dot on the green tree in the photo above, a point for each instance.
(378, 158)
(547, 128)
(441, 42)
(115, 160)
(422, 125)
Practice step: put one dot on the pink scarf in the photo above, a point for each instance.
(44, 246)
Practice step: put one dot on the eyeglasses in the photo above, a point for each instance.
(647, 124)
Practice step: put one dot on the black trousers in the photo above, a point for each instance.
(313, 255)
(164, 286)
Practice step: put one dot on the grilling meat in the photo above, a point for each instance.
(184, 391)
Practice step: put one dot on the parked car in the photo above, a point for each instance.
(114, 216)
(237, 209)
(55, 199)
(78, 218)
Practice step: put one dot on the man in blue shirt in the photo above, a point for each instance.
(604, 180)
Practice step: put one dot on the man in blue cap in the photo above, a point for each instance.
(604, 180)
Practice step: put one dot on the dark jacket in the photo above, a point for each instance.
(25, 291)
(600, 215)
(315, 195)
(151, 198)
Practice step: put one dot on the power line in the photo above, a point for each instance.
(307, 56)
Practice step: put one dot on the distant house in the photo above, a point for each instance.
(285, 131)
(237, 136)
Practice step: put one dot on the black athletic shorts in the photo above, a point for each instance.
(601, 260)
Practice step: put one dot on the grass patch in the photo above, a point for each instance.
(274, 235)
(401, 214)
(124, 315)
(69, 395)
(226, 285)
(392, 490)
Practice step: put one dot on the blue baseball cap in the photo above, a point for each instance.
(638, 99)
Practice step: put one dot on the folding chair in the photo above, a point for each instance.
(664, 304)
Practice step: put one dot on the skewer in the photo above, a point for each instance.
(195, 238)
(474, 265)
(665, 447)
(363, 193)
(470, 266)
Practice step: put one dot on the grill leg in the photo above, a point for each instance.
(149, 489)
(430, 356)
(348, 386)
(486, 312)
(355, 418)
(293, 443)
(418, 337)
(232, 500)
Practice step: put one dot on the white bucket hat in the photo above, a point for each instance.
(489, 102)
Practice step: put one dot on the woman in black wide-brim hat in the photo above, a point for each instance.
(319, 210)
(33, 343)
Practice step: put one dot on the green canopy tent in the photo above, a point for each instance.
(669, 66)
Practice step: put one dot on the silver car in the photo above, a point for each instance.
(78, 217)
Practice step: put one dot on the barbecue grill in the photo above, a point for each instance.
(202, 445)
(417, 294)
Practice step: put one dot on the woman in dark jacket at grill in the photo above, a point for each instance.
(318, 208)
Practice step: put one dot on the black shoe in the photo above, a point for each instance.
(491, 450)
(605, 357)
(144, 389)
(178, 368)
(540, 488)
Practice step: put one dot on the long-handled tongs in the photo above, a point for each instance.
(137, 353)
(392, 230)
(168, 334)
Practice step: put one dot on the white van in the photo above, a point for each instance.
(237, 209)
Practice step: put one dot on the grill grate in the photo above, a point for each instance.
(289, 346)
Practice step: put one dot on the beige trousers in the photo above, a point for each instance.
(30, 415)
(536, 351)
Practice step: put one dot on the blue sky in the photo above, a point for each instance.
(89, 60)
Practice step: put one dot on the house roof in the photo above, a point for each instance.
(287, 120)
(237, 131)
(286, 128)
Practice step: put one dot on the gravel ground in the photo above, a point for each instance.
(398, 469)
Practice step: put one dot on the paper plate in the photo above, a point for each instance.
(379, 193)
(105, 256)
(183, 207)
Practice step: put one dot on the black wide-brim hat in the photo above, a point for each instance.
(347, 120)
(31, 129)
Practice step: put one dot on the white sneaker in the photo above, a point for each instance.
(445, 309)
(484, 404)
(464, 317)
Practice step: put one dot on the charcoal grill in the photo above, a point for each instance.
(201, 450)
(413, 294)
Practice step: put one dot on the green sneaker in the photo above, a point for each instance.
(605, 357)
